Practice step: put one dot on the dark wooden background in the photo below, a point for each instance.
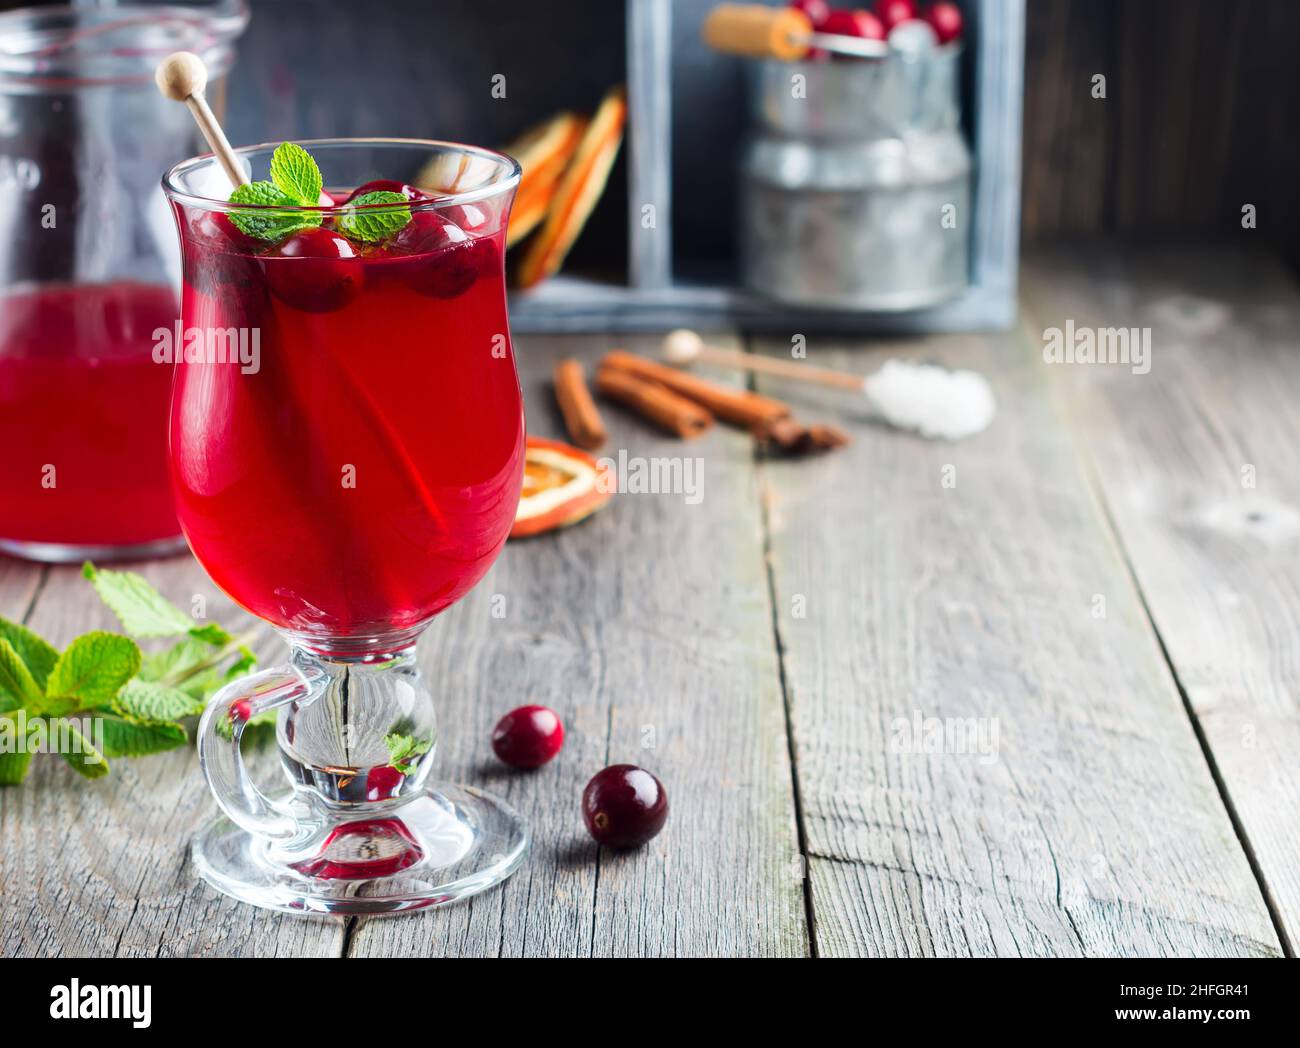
(1200, 118)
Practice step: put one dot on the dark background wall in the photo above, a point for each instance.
(424, 69)
(1202, 115)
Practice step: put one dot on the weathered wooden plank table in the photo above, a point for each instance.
(1105, 586)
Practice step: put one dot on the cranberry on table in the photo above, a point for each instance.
(528, 737)
(895, 12)
(946, 21)
(315, 270)
(816, 10)
(624, 806)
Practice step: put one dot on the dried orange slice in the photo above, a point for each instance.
(579, 190)
(562, 485)
(543, 153)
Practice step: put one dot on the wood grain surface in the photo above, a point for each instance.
(977, 582)
(1198, 466)
(1086, 602)
(648, 629)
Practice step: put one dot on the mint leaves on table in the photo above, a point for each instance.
(375, 223)
(138, 700)
(296, 182)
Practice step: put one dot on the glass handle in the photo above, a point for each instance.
(223, 763)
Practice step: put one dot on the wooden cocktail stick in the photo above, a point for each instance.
(758, 31)
(684, 347)
(182, 76)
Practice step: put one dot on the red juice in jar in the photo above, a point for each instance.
(364, 472)
(83, 417)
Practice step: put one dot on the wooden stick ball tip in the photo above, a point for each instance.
(181, 75)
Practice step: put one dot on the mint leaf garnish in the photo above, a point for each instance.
(374, 224)
(269, 225)
(93, 669)
(295, 182)
(295, 174)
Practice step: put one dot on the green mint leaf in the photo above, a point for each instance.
(403, 750)
(253, 727)
(130, 738)
(213, 634)
(372, 224)
(17, 685)
(93, 669)
(266, 224)
(295, 174)
(142, 610)
(176, 662)
(39, 656)
(247, 662)
(89, 761)
(188, 667)
(13, 768)
(203, 686)
(151, 701)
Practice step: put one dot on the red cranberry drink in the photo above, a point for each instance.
(364, 474)
(83, 416)
(347, 450)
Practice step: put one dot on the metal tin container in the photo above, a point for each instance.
(856, 183)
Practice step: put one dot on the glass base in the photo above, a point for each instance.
(445, 843)
(72, 553)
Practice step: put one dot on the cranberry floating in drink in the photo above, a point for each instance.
(359, 479)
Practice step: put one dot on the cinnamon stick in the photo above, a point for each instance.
(581, 417)
(737, 406)
(663, 407)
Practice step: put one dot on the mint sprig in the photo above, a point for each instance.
(374, 223)
(295, 173)
(295, 182)
(267, 224)
(139, 701)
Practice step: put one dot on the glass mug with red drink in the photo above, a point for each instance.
(346, 473)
